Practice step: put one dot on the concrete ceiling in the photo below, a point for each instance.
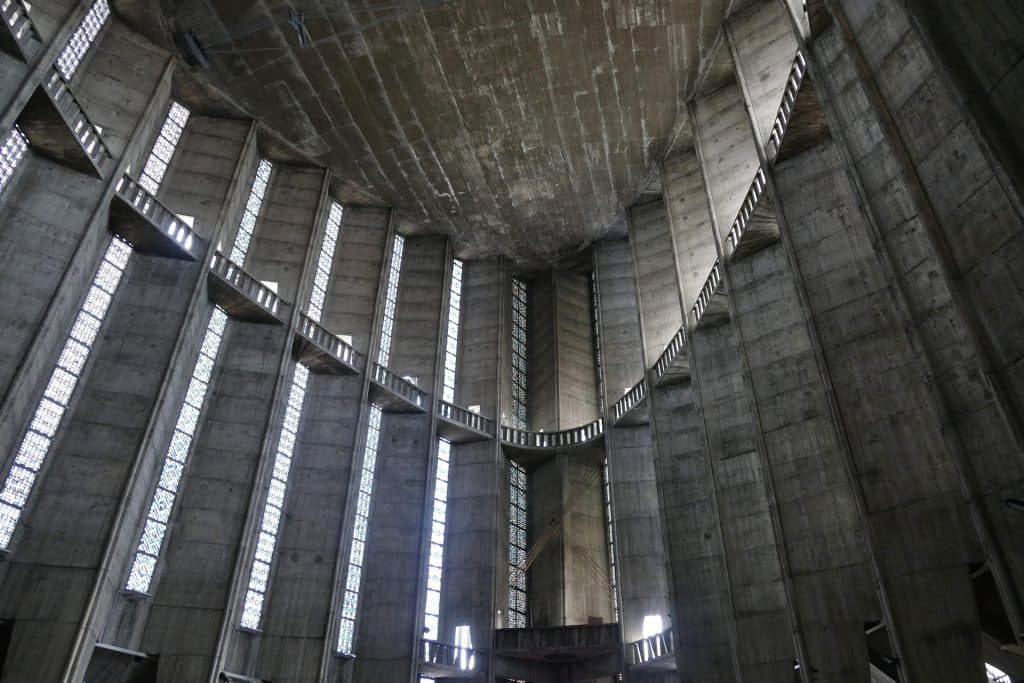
(522, 127)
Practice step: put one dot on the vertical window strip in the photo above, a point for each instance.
(609, 525)
(176, 458)
(518, 516)
(49, 413)
(598, 357)
(435, 569)
(154, 531)
(273, 508)
(243, 238)
(354, 574)
(391, 301)
(12, 152)
(519, 353)
(452, 343)
(325, 262)
(70, 58)
(164, 148)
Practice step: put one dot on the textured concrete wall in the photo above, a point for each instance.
(621, 350)
(542, 360)
(577, 375)
(690, 222)
(660, 309)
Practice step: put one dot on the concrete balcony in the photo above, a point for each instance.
(149, 226)
(394, 394)
(56, 126)
(577, 437)
(441, 660)
(110, 663)
(18, 36)
(653, 653)
(631, 409)
(756, 226)
(674, 363)
(324, 353)
(800, 123)
(242, 296)
(711, 307)
(458, 425)
(564, 653)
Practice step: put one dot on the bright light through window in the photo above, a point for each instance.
(435, 569)
(243, 238)
(598, 360)
(996, 675)
(353, 579)
(517, 525)
(464, 641)
(610, 538)
(70, 58)
(38, 439)
(164, 148)
(452, 343)
(12, 152)
(325, 263)
(391, 301)
(652, 626)
(519, 353)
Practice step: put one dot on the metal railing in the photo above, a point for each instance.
(707, 292)
(466, 418)
(157, 214)
(789, 95)
(671, 352)
(253, 289)
(398, 385)
(451, 656)
(630, 400)
(16, 17)
(69, 107)
(330, 343)
(746, 212)
(651, 648)
(560, 439)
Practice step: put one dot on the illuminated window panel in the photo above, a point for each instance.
(49, 413)
(613, 578)
(598, 359)
(518, 517)
(353, 579)
(452, 343)
(147, 553)
(243, 238)
(70, 58)
(435, 568)
(12, 152)
(519, 353)
(259, 574)
(391, 301)
(163, 149)
(325, 262)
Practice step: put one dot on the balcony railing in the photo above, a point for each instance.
(56, 125)
(674, 356)
(708, 292)
(629, 403)
(659, 648)
(450, 661)
(407, 396)
(789, 98)
(467, 419)
(21, 38)
(747, 209)
(577, 436)
(245, 297)
(324, 352)
(160, 232)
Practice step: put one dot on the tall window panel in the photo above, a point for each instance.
(354, 574)
(154, 531)
(520, 297)
(70, 58)
(50, 411)
(595, 309)
(435, 570)
(451, 351)
(391, 301)
(609, 526)
(518, 518)
(243, 238)
(164, 148)
(13, 150)
(273, 507)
